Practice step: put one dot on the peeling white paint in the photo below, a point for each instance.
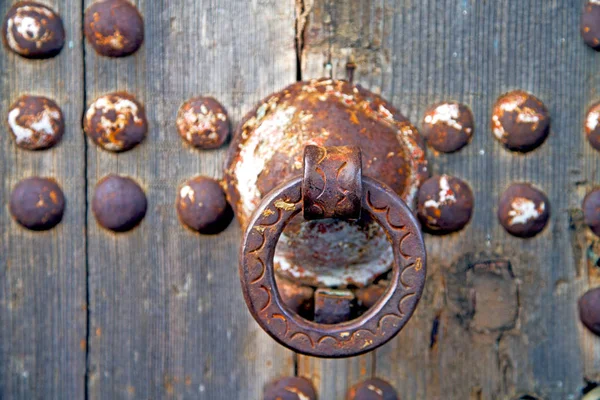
(42, 125)
(28, 28)
(194, 123)
(510, 106)
(445, 196)
(123, 107)
(528, 116)
(523, 210)
(447, 113)
(187, 191)
(297, 392)
(498, 130)
(375, 389)
(593, 119)
(261, 146)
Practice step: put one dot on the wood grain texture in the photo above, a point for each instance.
(416, 53)
(42, 274)
(167, 319)
(332, 378)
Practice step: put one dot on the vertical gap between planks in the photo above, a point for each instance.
(86, 374)
(298, 48)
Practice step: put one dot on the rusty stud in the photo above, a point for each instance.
(33, 30)
(589, 310)
(36, 122)
(520, 121)
(114, 28)
(119, 203)
(298, 298)
(591, 211)
(523, 210)
(290, 388)
(372, 389)
(444, 204)
(333, 306)
(116, 122)
(448, 126)
(203, 123)
(37, 203)
(590, 24)
(592, 125)
(202, 206)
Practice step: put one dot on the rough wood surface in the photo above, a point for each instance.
(42, 274)
(167, 319)
(416, 53)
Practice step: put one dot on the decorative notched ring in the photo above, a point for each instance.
(339, 192)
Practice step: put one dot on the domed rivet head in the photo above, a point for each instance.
(448, 126)
(290, 388)
(589, 310)
(590, 24)
(202, 205)
(114, 28)
(33, 30)
(591, 211)
(523, 210)
(520, 121)
(203, 123)
(116, 122)
(119, 203)
(592, 126)
(37, 203)
(36, 122)
(372, 389)
(444, 204)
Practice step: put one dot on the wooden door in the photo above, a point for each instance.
(158, 313)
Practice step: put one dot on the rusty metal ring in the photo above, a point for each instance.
(374, 328)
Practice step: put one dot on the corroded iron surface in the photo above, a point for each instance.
(37, 203)
(33, 30)
(374, 328)
(203, 123)
(36, 122)
(332, 198)
(267, 149)
(114, 28)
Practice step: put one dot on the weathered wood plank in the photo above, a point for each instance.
(332, 378)
(42, 275)
(167, 316)
(419, 52)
